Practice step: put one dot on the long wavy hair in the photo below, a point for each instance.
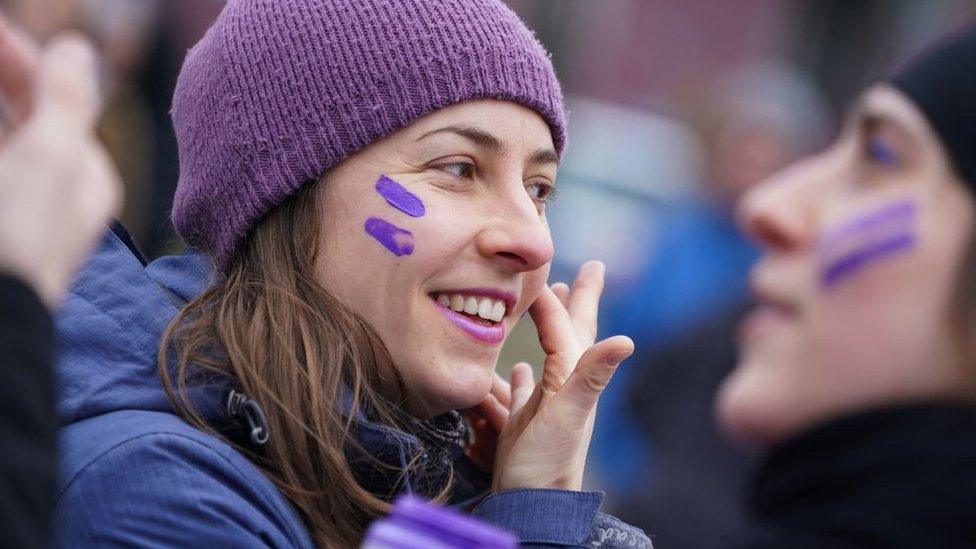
(301, 355)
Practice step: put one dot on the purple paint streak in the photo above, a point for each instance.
(898, 212)
(873, 251)
(393, 238)
(400, 198)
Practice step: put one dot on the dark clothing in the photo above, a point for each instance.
(898, 477)
(692, 496)
(28, 422)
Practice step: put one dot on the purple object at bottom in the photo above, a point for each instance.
(416, 524)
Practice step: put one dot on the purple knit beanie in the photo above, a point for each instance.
(280, 91)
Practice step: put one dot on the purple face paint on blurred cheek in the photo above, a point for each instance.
(400, 198)
(867, 239)
(398, 241)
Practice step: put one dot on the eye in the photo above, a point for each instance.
(464, 170)
(880, 151)
(542, 191)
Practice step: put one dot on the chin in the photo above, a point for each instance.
(748, 412)
(457, 389)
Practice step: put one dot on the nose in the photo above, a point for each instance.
(777, 213)
(517, 237)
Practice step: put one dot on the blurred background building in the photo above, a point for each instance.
(677, 107)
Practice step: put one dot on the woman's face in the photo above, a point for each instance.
(863, 243)
(437, 236)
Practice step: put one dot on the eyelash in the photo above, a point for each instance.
(547, 191)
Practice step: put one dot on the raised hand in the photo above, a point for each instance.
(57, 187)
(547, 437)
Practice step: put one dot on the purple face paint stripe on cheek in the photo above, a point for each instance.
(900, 211)
(854, 261)
(398, 241)
(399, 197)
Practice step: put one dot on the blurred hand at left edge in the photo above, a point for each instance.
(58, 189)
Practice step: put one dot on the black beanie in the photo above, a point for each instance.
(942, 84)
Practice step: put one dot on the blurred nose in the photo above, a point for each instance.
(516, 237)
(777, 214)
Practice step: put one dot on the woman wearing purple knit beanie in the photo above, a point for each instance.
(364, 184)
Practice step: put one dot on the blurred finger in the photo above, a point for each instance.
(584, 301)
(523, 383)
(67, 94)
(561, 289)
(19, 66)
(579, 395)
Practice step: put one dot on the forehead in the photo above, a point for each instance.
(511, 123)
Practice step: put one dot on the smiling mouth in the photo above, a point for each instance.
(480, 314)
(484, 310)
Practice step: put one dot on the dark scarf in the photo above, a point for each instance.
(897, 477)
(419, 456)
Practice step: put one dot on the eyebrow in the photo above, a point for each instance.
(492, 143)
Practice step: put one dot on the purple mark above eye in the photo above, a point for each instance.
(393, 238)
(400, 198)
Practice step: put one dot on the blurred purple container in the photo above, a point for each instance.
(416, 524)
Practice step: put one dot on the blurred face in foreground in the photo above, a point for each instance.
(863, 246)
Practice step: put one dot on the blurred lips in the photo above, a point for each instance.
(769, 313)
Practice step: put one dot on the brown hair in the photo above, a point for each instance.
(297, 352)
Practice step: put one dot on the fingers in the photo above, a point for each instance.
(67, 95)
(552, 321)
(501, 390)
(578, 397)
(19, 66)
(584, 301)
(523, 383)
(561, 289)
(493, 412)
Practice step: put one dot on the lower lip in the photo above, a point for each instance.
(761, 321)
(485, 334)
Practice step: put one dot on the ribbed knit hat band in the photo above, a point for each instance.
(280, 91)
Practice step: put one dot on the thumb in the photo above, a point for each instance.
(592, 375)
(67, 94)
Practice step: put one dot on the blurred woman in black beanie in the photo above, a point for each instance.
(857, 368)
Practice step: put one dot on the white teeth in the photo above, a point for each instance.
(484, 309)
(487, 308)
(498, 311)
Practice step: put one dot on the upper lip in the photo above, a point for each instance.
(509, 298)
